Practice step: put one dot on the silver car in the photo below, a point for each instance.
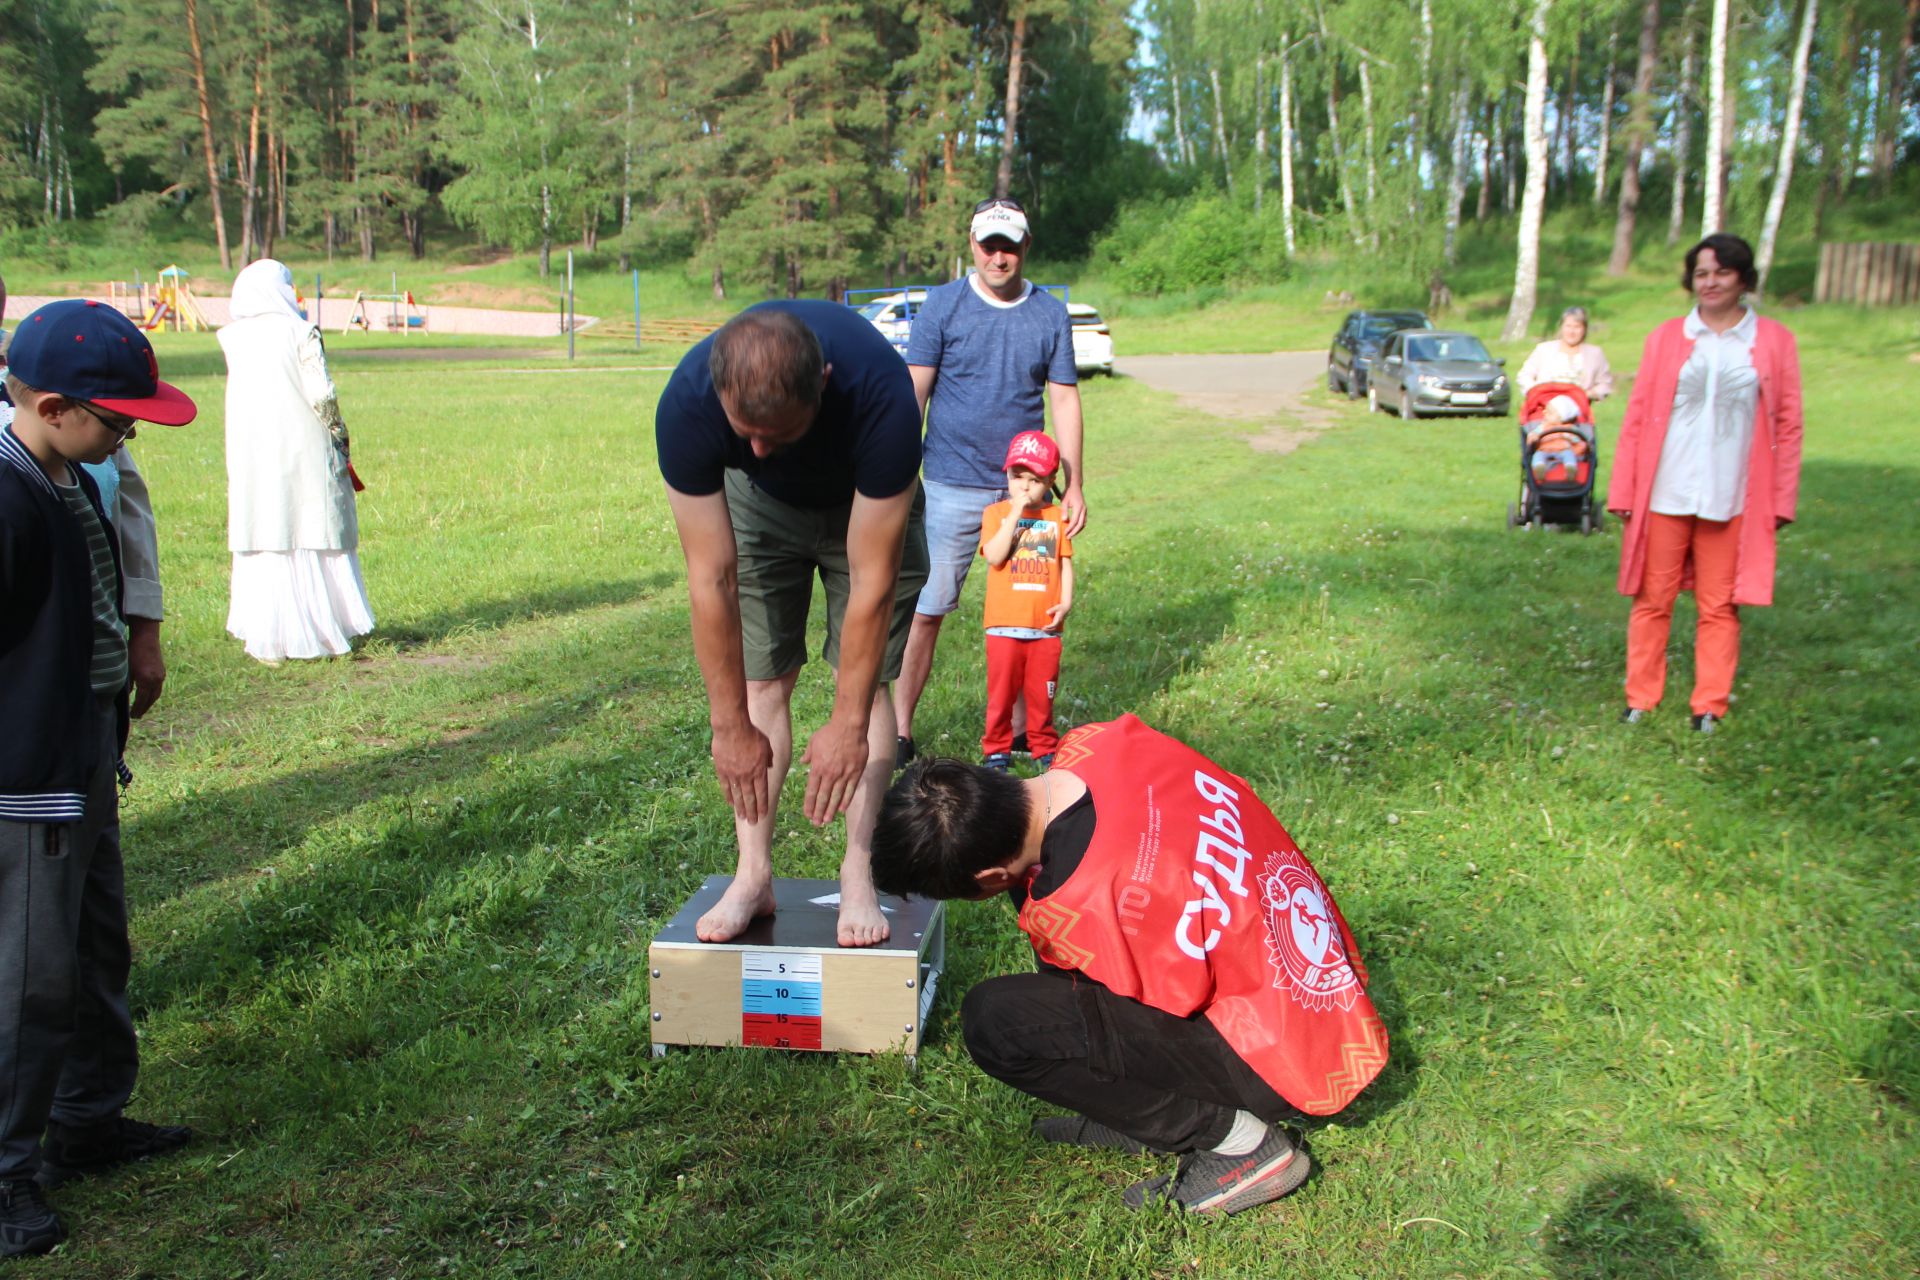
(1436, 371)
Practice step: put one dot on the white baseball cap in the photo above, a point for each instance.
(1004, 218)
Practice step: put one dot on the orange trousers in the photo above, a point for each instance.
(1715, 549)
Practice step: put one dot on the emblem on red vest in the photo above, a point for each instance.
(1304, 944)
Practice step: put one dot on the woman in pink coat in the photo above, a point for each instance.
(1706, 469)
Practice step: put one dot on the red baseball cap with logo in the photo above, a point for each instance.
(1036, 452)
(90, 352)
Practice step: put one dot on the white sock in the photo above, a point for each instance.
(1248, 1132)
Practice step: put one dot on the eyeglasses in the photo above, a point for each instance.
(998, 202)
(119, 425)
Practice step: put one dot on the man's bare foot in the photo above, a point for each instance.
(862, 923)
(738, 907)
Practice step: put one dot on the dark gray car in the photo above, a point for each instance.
(1358, 343)
(1436, 371)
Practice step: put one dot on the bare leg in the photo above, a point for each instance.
(862, 923)
(751, 893)
(915, 667)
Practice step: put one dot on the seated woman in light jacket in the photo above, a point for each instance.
(1569, 358)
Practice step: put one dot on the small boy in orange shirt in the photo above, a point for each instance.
(1029, 594)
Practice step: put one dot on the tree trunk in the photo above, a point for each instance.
(1526, 271)
(1340, 154)
(1220, 128)
(1639, 125)
(1789, 139)
(1259, 131)
(1508, 169)
(1486, 166)
(1286, 143)
(1713, 200)
(1606, 126)
(1180, 150)
(1457, 170)
(1003, 180)
(206, 134)
(1366, 119)
(1682, 131)
(1886, 150)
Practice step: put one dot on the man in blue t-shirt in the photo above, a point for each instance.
(983, 350)
(790, 444)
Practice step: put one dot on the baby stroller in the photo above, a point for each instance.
(1559, 459)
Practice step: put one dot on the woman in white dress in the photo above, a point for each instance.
(291, 522)
(1568, 358)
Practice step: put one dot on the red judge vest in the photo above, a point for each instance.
(1193, 898)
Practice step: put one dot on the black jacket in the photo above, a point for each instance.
(48, 751)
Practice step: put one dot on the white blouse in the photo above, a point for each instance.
(1585, 367)
(1703, 461)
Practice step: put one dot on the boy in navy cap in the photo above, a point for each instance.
(82, 377)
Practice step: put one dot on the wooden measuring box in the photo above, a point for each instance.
(786, 983)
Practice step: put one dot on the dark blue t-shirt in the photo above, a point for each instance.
(867, 437)
(993, 363)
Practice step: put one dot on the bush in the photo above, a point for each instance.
(1170, 246)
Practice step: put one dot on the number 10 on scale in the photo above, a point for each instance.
(780, 999)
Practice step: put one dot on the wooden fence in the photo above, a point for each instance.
(1874, 275)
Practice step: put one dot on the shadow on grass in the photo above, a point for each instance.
(409, 633)
(1623, 1227)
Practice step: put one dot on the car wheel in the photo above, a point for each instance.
(1333, 376)
(1356, 387)
(1407, 412)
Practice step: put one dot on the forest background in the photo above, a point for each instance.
(785, 149)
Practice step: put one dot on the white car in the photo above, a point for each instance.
(891, 314)
(1092, 341)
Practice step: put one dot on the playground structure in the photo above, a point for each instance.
(402, 315)
(169, 302)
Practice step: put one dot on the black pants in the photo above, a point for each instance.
(1171, 1083)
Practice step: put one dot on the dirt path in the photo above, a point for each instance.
(1266, 389)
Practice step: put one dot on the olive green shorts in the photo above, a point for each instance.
(781, 547)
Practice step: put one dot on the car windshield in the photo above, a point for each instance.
(1450, 346)
(876, 310)
(1374, 328)
(1087, 318)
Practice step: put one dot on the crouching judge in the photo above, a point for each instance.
(1197, 986)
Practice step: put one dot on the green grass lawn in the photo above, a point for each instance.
(1653, 998)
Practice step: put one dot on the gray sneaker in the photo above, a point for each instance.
(1207, 1182)
(1705, 723)
(27, 1225)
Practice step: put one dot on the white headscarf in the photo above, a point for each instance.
(265, 288)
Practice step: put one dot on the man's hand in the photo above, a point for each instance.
(145, 663)
(741, 758)
(836, 756)
(1073, 505)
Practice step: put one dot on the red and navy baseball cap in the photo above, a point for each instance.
(89, 351)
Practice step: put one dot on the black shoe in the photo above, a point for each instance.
(1001, 760)
(27, 1225)
(1706, 722)
(1208, 1182)
(1020, 745)
(1632, 715)
(1078, 1131)
(71, 1153)
(903, 752)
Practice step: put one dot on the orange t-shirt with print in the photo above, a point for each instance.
(1020, 592)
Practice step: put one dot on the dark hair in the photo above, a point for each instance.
(767, 363)
(1728, 251)
(942, 822)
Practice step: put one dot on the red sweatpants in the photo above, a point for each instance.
(1015, 667)
(1715, 548)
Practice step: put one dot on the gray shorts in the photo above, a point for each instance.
(781, 548)
(953, 542)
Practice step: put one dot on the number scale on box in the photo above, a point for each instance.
(780, 999)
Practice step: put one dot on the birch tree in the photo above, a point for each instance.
(1682, 129)
(1714, 195)
(1789, 140)
(1526, 271)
